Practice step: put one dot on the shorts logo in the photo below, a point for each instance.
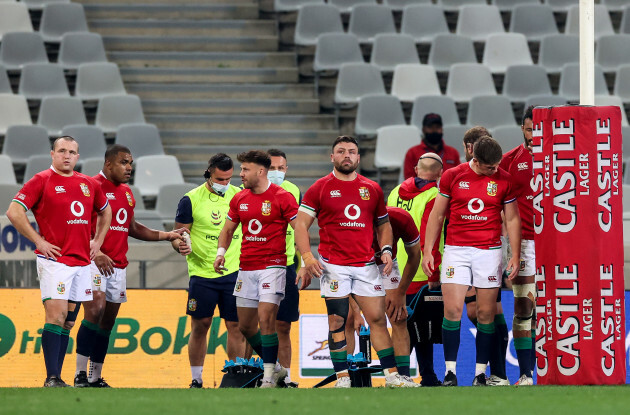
(192, 304)
(522, 166)
(450, 271)
(335, 193)
(378, 288)
(110, 196)
(522, 267)
(215, 218)
(97, 280)
(266, 208)
(492, 278)
(129, 199)
(122, 294)
(60, 189)
(85, 189)
(266, 286)
(239, 285)
(334, 286)
(61, 288)
(364, 193)
(394, 280)
(492, 188)
(243, 207)
(464, 185)
(88, 291)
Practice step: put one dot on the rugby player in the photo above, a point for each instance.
(109, 268)
(288, 312)
(203, 211)
(518, 162)
(62, 201)
(348, 206)
(264, 210)
(476, 193)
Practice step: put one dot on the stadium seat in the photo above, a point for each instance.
(115, 110)
(523, 81)
(478, 21)
(335, 49)
(314, 20)
(5, 84)
(622, 83)
(60, 18)
(7, 175)
(454, 136)
(413, 80)
(533, 20)
(91, 166)
(155, 171)
(612, 51)
(90, 138)
(561, 5)
(625, 20)
(356, 80)
(57, 112)
(440, 104)
(36, 164)
(510, 5)
(625, 134)
(424, 22)
(626, 197)
(392, 143)
(611, 100)
(13, 111)
(39, 4)
(18, 49)
(369, 20)
(490, 111)
(14, 17)
(7, 193)
(603, 24)
(168, 198)
(97, 80)
(292, 5)
(149, 218)
(23, 141)
(448, 49)
(467, 80)
(614, 5)
(137, 194)
(570, 82)
(346, 6)
(399, 5)
(78, 48)
(545, 101)
(390, 50)
(505, 49)
(455, 5)
(508, 136)
(376, 111)
(558, 50)
(141, 139)
(41, 80)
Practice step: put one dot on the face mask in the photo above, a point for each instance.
(433, 138)
(275, 176)
(220, 188)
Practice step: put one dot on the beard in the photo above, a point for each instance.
(345, 169)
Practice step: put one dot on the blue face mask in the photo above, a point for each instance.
(220, 188)
(275, 176)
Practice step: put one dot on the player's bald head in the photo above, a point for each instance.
(430, 162)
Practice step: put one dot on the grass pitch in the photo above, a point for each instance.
(572, 400)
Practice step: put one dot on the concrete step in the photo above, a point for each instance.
(263, 139)
(242, 122)
(224, 28)
(221, 91)
(131, 59)
(118, 10)
(231, 106)
(297, 154)
(187, 2)
(192, 43)
(211, 75)
(310, 170)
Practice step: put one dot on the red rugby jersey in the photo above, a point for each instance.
(403, 228)
(518, 162)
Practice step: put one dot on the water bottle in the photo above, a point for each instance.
(365, 344)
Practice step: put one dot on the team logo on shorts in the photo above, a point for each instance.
(266, 208)
(364, 193)
(394, 280)
(192, 304)
(61, 288)
(450, 271)
(215, 218)
(492, 278)
(378, 288)
(122, 294)
(334, 286)
(88, 291)
(266, 286)
(85, 189)
(97, 280)
(239, 285)
(492, 188)
(522, 267)
(129, 199)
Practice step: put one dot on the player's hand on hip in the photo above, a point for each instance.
(104, 264)
(427, 263)
(218, 264)
(95, 247)
(387, 260)
(513, 267)
(48, 250)
(312, 266)
(434, 285)
(304, 277)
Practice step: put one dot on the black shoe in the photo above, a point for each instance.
(196, 384)
(290, 385)
(81, 380)
(480, 380)
(430, 381)
(55, 382)
(450, 379)
(99, 383)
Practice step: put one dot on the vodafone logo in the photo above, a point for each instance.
(254, 226)
(354, 208)
(77, 208)
(475, 205)
(121, 216)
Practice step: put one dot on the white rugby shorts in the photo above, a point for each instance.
(58, 281)
(391, 281)
(340, 281)
(258, 285)
(114, 286)
(466, 265)
(527, 265)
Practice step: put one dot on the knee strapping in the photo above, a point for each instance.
(72, 315)
(338, 307)
(524, 291)
(522, 323)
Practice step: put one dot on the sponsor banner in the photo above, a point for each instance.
(579, 245)
(13, 245)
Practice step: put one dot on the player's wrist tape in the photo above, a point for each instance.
(221, 251)
(308, 259)
(387, 249)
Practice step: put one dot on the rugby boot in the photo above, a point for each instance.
(81, 380)
(450, 379)
(268, 384)
(396, 380)
(430, 381)
(480, 380)
(55, 382)
(279, 373)
(291, 385)
(524, 380)
(343, 382)
(99, 383)
(494, 380)
(195, 384)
